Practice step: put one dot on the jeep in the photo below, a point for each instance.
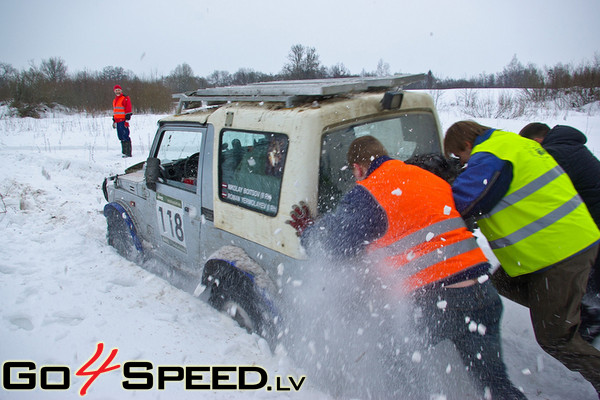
(212, 200)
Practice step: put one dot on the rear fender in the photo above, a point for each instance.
(120, 210)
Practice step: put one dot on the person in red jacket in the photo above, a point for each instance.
(402, 222)
(121, 116)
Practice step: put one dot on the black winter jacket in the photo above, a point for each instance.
(567, 146)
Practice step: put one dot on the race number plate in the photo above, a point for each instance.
(169, 212)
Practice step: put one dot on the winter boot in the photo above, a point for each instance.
(126, 149)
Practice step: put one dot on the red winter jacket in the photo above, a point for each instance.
(121, 108)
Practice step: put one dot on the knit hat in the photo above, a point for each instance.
(117, 87)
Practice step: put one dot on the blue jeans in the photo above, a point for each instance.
(470, 318)
(123, 132)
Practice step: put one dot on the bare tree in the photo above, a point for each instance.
(8, 77)
(54, 69)
(383, 68)
(182, 79)
(220, 78)
(303, 63)
(245, 76)
(114, 74)
(338, 70)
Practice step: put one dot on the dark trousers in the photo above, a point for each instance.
(444, 313)
(593, 286)
(123, 131)
(553, 297)
(123, 134)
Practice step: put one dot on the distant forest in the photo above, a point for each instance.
(50, 84)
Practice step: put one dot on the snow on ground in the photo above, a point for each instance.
(63, 290)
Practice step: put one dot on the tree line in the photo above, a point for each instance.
(50, 84)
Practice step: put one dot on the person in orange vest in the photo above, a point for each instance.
(121, 116)
(402, 219)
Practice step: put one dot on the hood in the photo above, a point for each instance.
(562, 134)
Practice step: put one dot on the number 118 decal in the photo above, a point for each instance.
(169, 212)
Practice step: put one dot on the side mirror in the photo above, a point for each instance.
(152, 172)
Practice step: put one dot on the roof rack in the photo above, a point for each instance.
(293, 92)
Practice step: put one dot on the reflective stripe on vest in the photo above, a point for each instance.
(119, 108)
(416, 263)
(427, 240)
(541, 220)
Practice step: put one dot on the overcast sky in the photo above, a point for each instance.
(452, 38)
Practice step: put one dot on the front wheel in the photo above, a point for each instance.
(119, 236)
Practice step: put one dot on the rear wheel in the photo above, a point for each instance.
(240, 310)
(239, 307)
(235, 295)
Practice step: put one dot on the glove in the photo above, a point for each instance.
(301, 218)
(114, 125)
(127, 117)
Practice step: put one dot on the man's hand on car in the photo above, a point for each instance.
(301, 218)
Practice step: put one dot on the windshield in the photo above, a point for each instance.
(403, 136)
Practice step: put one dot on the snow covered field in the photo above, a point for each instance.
(63, 289)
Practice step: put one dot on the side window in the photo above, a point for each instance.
(179, 153)
(251, 167)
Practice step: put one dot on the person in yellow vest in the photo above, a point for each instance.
(402, 221)
(121, 116)
(539, 229)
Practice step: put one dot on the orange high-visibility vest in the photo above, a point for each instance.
(427, 240)
(119, 108)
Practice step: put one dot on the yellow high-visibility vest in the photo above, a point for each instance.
(541, 220)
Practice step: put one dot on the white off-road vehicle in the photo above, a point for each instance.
(212, 200)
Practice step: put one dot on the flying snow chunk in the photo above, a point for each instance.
(526, 371)
(429, 236)
(442, 304)
(397, 192)
(447, 210)
(199, 290)
(449, 369)
(416, 357)
(483, 278)
(485, 181)
(472, 326)
(232, 311)
(280, 269)
(481, 329)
